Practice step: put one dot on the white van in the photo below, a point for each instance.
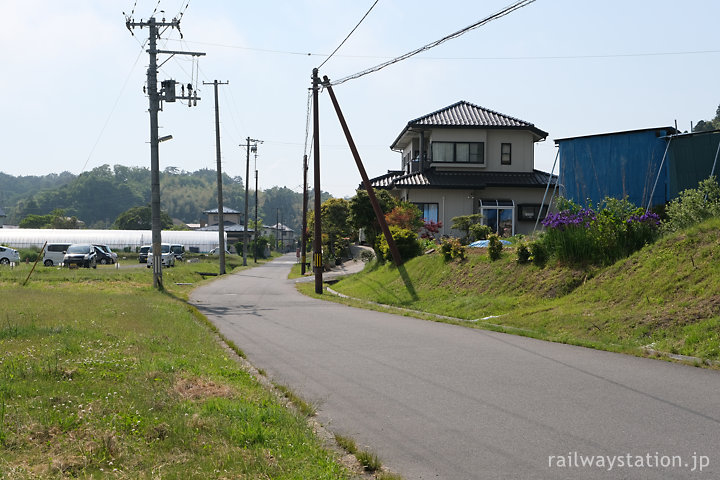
(54, 253)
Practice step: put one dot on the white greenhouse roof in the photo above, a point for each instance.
(115, 239)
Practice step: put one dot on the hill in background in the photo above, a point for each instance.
(97, 197)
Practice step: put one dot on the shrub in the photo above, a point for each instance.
(451, 249)
(29, 254)
(538, 253)
(693, 205)
(495, 247)
(406, 241)
(479, 231)
(523, 253)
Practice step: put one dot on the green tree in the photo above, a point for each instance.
(362, 214)
(140, 218)
(707, 125)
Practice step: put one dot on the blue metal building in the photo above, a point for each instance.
(615, 165)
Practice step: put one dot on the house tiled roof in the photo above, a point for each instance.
(225, 210)
(464, 180)
(468, 115)
(227, 227)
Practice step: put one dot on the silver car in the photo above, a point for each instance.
(8, 255)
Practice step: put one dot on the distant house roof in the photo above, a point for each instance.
(464, 180)
(279, 226)
(467, 115)
(225, 210)
(227, 226)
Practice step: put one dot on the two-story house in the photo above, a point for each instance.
(466, 159)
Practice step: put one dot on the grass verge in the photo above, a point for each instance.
(100, 375)
(663, 298)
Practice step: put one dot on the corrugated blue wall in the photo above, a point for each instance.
(614, 165)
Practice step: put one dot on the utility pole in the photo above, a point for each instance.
(317, 236)
(169, 95)
(255, 248)
(277, 228)
(303, 236)
(247, 193)
(221, 209)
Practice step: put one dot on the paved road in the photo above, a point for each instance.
(446, 402)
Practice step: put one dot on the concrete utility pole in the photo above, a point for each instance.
(247, 192)
(221, 210)
(167, 94)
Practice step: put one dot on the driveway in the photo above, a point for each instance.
(446, 402)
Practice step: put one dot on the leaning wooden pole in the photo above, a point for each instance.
(366, 181)
(317, 234)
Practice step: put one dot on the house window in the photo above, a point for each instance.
(454, 152)
(429, 211)
(529, 213)
(505, 153)
(499, 215)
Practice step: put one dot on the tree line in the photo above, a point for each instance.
(95, 199)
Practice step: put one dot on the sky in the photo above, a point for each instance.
(73, 75)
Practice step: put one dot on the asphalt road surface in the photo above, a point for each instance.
(437, 401)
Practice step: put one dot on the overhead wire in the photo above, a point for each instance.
(112, 110)
(348, 35)
(505, 11)
(520, 57)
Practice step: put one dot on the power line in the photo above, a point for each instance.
(519, 57)
(348, 35)
(505, 11)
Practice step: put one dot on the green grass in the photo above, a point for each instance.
(101, 375)
(666, 296)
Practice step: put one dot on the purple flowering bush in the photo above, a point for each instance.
(598, 236)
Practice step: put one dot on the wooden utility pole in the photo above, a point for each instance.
(169, 95)
(221, 208)
(317, 235)
(247, 193)
(303, 237)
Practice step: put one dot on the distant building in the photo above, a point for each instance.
(232, 225)
(284, 235)
(2, 218)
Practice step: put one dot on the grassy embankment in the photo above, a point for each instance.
(102, 376)
(666, 296)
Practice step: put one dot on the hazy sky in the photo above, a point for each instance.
(72, 77)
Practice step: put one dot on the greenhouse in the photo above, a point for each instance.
(199, 242)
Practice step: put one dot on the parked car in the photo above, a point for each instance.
(8, 255)
(102, 257)
(178, 250)
(80, 254)
(55, 253)
(106, 252)
(166, 255)
(142, 257)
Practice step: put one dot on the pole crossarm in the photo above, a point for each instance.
(180, 52)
